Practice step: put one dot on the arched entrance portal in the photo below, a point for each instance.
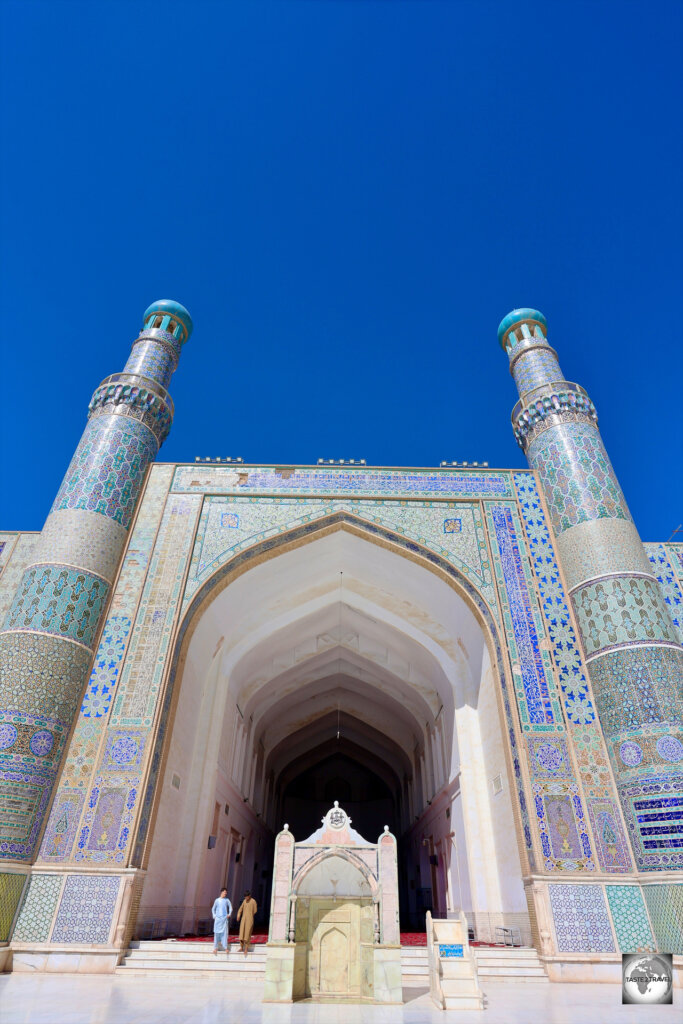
(336, 665)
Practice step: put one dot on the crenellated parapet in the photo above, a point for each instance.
(122, 394)
(632, 648)
(49, 634)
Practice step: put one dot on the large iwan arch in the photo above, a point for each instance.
(338, 653)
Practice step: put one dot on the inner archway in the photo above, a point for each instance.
(336, 657)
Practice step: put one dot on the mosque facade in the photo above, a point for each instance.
(488, 662)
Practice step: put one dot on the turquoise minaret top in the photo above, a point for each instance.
(166, 326)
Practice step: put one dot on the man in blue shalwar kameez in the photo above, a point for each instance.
(221, 911)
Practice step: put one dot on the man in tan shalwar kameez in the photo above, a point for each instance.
(245, 916)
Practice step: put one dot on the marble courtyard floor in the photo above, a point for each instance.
(73, 999)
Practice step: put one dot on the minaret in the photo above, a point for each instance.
(633, 652)
(48, 637)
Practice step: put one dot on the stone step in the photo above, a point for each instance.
(187, 972)
(498, 963)
(168, 945)
(180, 959)
(255, 971)
(527, 952)
(184, 954)
(208, 962)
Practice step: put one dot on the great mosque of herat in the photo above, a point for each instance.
(487, 661)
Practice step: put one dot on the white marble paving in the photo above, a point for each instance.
(71, 999)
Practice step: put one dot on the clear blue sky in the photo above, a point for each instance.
(348, 197)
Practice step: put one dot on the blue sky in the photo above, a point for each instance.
(348, 197)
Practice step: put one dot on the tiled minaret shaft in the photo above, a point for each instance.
(47, 639)
(634, 656)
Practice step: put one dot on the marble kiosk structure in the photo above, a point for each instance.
(334, 924)
(489, 660)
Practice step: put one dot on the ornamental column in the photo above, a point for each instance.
(48, 637)
(632, 648)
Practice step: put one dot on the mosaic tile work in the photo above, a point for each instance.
(637, 695)
(621, 610)
(102, 682)
(139, 551)
(549, 761)
(630, 919)
(62, 824)
(345, 480)
(548, 757)
(229, 525)
(136, 696)
(39, 677)
(601, 548)
(24, 793)
(536, 696)
(154, 360)
(131, 399)
(86, 909)
(576, 474)
(108, 468)
(22, 555)
(83, 539)
(158, 336)
(562, 826)
(656, 819)
(665, 904)
(11, 888)
(124, 749)
(578, 705)
(38, 908)
(30, 738)
(665, 573)
(535, 367)
(581, 919)
(637, 686)
(608, 834)
(79, 766)
(60, 600)
(106, 824)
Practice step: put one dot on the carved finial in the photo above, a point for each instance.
(336, 803)
(386, 828)
(285, 827)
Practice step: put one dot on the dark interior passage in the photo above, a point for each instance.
(338, 775)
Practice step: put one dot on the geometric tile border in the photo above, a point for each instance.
(566, 654)
(86, 909)
(38, 908)
(11, 886)
(665, 903)
(630, 920)
(581, 919)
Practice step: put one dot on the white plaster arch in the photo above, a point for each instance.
(316, 872)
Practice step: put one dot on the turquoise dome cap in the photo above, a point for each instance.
(168, 307)
(516, 317)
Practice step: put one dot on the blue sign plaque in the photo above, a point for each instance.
(450, 951)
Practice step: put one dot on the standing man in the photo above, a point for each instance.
(221, 911)
(245, 915)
